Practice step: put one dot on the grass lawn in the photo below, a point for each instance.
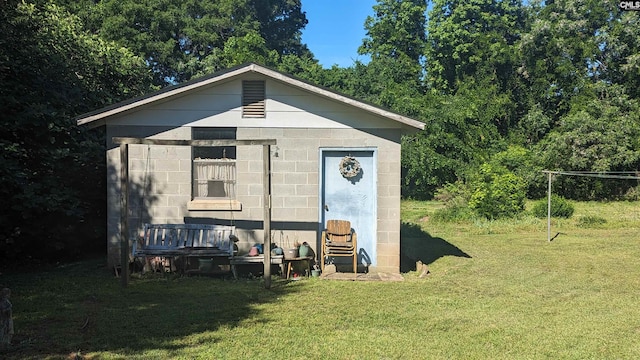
(496, 290)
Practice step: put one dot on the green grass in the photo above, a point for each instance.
(496, 290)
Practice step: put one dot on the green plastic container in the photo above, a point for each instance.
(303, 251)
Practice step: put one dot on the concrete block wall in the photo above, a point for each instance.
(295, 185)
(388, 244)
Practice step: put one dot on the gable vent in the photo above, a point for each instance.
(253, 102)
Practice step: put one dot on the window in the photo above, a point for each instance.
(214, 168)
(253, 99)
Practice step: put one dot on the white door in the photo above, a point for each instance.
(352, 198)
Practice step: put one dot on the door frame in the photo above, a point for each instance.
(321, 176)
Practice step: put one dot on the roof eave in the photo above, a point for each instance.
(339, 97)
(168, 92)
(98, 118)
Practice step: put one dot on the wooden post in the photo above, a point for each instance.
(266, 184)
(124, 214)
(6, 319)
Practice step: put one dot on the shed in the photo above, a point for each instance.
(315, 130)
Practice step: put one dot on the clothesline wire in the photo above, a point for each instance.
(633, 175)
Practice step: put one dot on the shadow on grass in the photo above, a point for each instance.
(82, 307)
(418, 245)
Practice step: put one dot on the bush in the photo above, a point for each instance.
(633, 194)
(497, 192)
(591, 221)
(521, 162)
(560, 207)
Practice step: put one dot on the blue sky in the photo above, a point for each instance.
(336, 29)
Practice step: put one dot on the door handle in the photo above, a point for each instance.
(326, 207)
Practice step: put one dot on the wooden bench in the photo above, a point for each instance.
(194, 240)
(173, 240)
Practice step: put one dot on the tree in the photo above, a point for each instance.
(561, 52)
(281, 22)
(473, 39)
(236, 51)
(51, 171)
(472, 45)
(176, 36)
(396, 30)
(460, 133)
(396, 38)
(303, 67)
(601, 135)
(619, 61)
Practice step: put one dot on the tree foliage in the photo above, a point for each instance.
(473, 40)
(603, 135)
(396, 31)
(51, 170)
(505, 88)
(183, 38)
(497, 192)
(562, 51)
(395, 42)
(619, 59)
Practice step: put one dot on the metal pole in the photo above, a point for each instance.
(549, 208)
(124, 214)
(266, 184)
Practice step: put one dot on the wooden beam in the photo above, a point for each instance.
(166, 142)
(266, 186)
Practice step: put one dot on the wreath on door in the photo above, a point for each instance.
(349, 167)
